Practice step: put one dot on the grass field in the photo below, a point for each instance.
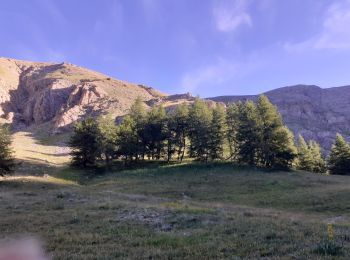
(179, 212)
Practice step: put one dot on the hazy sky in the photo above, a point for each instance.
(206, 47)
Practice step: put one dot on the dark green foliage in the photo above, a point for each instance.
(339, 158)
(217, 133)
(200, 118)
(128, 139)
(85, 143)
(177, 132)
(155, 132)
(283, 150)
(138, 115)
(107, 137)
(328, 248)
(6, 153)
(250, 134)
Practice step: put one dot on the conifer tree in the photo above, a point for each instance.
(247, 134)
(200, 118)
(276, 145)
(177, 132)
(217, 132)
(283, 149)
(318, 165)
(305, 159)
(310, 156)
(127, 139)
(85, 143)
(155, 132)
(232, 122)
(339, 158)
(6, 153)
(138, 115)
(108, 136)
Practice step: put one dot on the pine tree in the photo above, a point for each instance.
(339, 158)
(232, 121)
(108, 137)
(6, 154)
(200, 117)
(217, 132)
(85, 143)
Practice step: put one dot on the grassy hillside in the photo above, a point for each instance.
(179, 212)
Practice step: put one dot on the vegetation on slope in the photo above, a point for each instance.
(180, 212)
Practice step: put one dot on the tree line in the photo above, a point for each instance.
(246, 133)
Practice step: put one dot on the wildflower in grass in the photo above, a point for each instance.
(330, 232)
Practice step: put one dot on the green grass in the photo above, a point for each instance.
(179, 212)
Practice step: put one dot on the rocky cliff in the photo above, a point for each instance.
(36, 93)
(314, 112)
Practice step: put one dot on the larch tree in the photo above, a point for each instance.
(85, 143)
(200, 117)
(232, 123)
(247, 135)
(217, 132)
(276, 142)
(339, 157)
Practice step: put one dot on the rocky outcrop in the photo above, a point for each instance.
(311, 111)
(37, 93)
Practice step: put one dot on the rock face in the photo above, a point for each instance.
(311, 111)
(36, 93)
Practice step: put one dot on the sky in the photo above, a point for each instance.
(205, 47)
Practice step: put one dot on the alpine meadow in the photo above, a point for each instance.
(217, 161)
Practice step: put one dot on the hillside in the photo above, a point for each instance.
(37, 93)
(314, 112)
(179, 212)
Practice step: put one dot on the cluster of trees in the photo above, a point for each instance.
(245, 133)
(310, 157)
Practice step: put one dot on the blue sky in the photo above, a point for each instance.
(206, 47)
